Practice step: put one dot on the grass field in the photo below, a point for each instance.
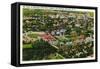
(27, 46)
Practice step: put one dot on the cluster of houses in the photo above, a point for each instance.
(61, 20)
(59, 32)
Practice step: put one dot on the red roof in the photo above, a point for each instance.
(47, 37)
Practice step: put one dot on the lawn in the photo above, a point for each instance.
(27, 46)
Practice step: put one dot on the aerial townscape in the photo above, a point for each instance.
(57, 34)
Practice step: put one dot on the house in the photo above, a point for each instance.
(47, 37)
